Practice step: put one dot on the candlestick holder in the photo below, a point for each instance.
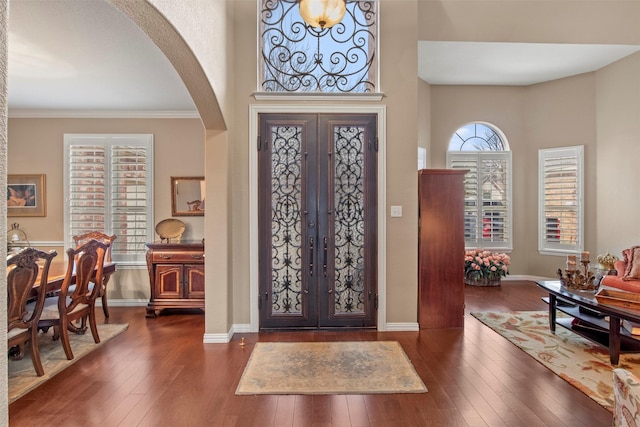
(578, 280)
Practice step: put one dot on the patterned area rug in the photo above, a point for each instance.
(355, 367)
(580, 362)
(22, 376)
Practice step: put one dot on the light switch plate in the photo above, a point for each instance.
(396, 211)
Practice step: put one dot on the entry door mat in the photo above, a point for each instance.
(351, 367)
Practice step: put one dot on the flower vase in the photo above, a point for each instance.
(483, 281)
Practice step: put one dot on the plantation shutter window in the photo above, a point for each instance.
(487, 197)
(108, 186)
(86, 189)
(560, 222)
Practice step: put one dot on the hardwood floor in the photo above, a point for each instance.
(159, 373)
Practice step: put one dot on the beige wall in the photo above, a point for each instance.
(618, 151)
(532, 21)
(424, 118)
(245, 68)
(399, 62)
(561, 113)
(36, 146)
(554, 114)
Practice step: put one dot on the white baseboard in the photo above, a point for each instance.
(225, 338)
(217, 338)
(243, 328)
(402, 327)
(514, 277)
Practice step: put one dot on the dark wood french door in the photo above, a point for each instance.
(317, 220)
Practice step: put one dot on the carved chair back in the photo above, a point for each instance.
(96, 235)
(76, 299)
(87, 262)
(22, 273)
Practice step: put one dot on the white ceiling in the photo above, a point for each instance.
(85, 55)
(518, 64)
(83, 58)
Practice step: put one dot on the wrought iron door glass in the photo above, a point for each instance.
(286, 207)
(317, 220)
(349, 223)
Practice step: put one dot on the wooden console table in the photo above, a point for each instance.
(591, 319)
(176, 275)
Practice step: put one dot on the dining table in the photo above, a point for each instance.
(57, 271)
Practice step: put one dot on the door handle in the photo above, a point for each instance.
(310, 256)
(324, 262)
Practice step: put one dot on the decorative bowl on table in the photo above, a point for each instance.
(170, 228)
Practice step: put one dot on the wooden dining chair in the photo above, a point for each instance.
(22, 274)
(72, 308)
(104, 238)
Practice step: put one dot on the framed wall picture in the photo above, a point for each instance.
(26, 195)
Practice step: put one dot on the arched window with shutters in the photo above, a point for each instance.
(484, 150)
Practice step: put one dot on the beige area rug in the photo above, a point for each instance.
(22, 376)
(577, 360)
(354, 367)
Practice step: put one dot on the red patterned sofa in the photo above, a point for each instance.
(626, 392)
(628, 272)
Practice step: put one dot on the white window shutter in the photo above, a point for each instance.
(488, 197)
(561, 204)
(86, 189)
(109, 187)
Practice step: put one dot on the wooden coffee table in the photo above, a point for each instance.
(599, 323)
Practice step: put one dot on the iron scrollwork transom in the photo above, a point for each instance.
(296, 57)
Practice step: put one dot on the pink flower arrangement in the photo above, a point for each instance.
(480, 264)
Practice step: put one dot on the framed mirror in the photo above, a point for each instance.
(187, 195)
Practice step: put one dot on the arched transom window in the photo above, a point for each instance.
(296, 57)
(483, 149)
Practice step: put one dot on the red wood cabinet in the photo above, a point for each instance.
(441, 248)
(176, 275)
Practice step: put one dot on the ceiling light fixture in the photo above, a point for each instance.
(322, 13)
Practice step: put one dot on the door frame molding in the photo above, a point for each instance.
(380, 111)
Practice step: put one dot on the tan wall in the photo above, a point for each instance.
(424, 118)
(533, 21)
(36, 146)
(245, 69)
(618, 151)
(554, 114)
(399, 62)
(561, 113)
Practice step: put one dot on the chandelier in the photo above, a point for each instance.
(322, 13)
